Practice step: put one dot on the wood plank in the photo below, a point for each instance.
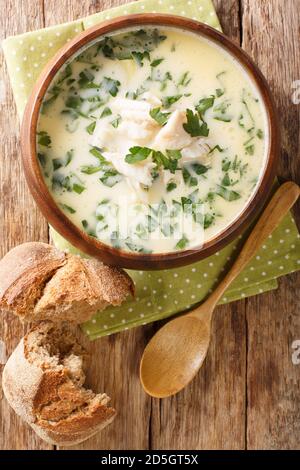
(271, 36)
(20, 219)
(115, 359)
(201, 415)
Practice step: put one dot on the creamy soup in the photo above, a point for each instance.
(152, 140)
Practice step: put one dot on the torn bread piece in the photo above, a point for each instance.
(43, 381)
(38, 282)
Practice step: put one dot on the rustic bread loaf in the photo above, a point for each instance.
(38, 282)
(43, 382)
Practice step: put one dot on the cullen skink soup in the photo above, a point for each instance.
(152, 140)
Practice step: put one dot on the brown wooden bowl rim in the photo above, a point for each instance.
(93, 247)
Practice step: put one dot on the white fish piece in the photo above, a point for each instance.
(197, 150)
(133, 110)
(151, 98)
(103, 135)
(137, 173)
(173, 136)
(138, 132)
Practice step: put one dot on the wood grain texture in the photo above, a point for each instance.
(20, 219)
(271, 37)
(251, 339)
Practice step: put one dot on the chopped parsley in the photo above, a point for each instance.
(169, 100)
(68, 208)
(204, 104)
(90, 128)
(111, 86)
(106, 112)
(188, 178)
(137, 154)
(184, 80)
(156, 62)
(194, 126)
(160, 117)
(182, 243)
(171, 185)
(227, 194)
(44, 139)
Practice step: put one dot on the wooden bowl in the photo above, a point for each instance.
(79, 238)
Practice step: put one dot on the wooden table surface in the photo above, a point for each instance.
(247, 393)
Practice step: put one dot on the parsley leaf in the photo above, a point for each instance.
(183, 242)
(44, 139)
(85, 77)
(171, 185)
(140, 56)
(68, 208)
(169, 100)
(111, 86)
(156, 62)
(115, 123)
(137, 154)
(90, 128)
(199, 169)
(188, 178)
(158, 116)
(90, 169)
(106, 112)
(227, 194)
(204, 104)
(184, 80)
(193, 126)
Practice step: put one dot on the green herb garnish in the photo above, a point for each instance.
(171, 185)
(68, 208)
(188, 178)
(183, 242)
(199, 169)
(227, 194)
(90, 128)
(169, 100)
(139, 57)
(193, 126)
(160, 117)
(111, 86)
(216, 147)
(184, 80)
(137, 154)
(42, 159)
(115, 123)
(44, 139)
(106, 112)
(259, 133)
(85, 77)
(204, 104)
(156, 62)
(90, 169)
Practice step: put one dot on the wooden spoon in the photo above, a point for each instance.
(177, 351)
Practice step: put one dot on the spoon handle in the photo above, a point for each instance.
(284, 198)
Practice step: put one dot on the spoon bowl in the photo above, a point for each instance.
(165, 367)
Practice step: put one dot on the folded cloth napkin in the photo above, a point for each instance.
(163, 293)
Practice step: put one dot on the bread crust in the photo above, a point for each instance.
(45, 396)
(38, 282)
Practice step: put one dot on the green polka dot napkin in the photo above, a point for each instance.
(159, 294)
